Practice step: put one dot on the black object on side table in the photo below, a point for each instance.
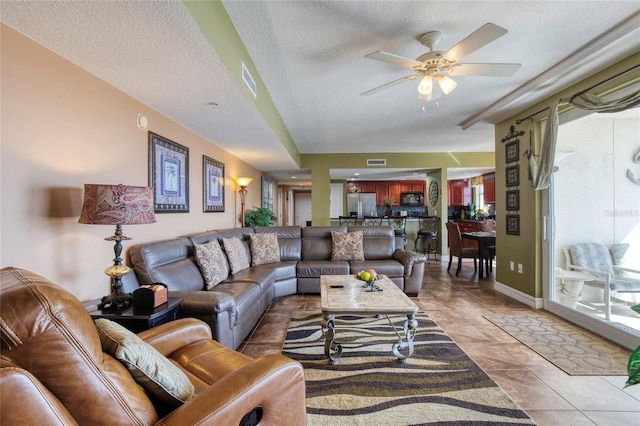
(138, 320)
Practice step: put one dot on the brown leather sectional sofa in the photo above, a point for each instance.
(233, 307)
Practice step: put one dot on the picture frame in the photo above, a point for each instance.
(168, 175)
(212, 185)
(267, 193)
(513, 175)
(513, 200)
(513, 224)
(512, 151)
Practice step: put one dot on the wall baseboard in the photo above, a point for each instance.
(530, 301)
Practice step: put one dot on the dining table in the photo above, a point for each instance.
(484, 239)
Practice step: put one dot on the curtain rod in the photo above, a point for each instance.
(521, 120)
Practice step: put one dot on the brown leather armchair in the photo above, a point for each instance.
(53, 369)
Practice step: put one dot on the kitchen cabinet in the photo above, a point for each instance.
(459, 192)
(394, 193)
(412, 187)
(489, 183)
(387, 188)
(382, 190)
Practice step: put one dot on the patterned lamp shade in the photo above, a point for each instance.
(117, 205)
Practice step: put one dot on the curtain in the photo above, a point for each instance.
(540, 169)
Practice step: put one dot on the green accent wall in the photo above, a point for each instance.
(215, 24)
(527, 248)
(321, 164)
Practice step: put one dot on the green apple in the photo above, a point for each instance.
(365, 276)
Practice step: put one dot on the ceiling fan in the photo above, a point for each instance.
(436, 66)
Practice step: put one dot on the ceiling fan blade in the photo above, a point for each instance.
(393, 59)
(474, 41)
(389, 84)
(488, 70)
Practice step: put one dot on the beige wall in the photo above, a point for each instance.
(61, 128)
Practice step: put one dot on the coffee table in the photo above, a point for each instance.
(346, 295)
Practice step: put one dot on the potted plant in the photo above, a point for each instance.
(388, 202)
(259, 216)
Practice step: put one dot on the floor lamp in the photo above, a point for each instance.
(117, 205)
(242, 182)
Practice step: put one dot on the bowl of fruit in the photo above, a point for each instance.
(369, 276)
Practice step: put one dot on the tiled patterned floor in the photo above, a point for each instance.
(545, 392)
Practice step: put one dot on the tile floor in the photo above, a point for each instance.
(546, 393)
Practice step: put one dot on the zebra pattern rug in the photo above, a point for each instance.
(439, 385)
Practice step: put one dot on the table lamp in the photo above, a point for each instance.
(117, 205)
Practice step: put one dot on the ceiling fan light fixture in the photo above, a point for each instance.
(426, 85)
(446, 84)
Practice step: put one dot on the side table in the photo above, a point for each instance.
(138, 320)
(569, 286)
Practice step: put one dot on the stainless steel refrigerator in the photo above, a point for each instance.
(362, 204)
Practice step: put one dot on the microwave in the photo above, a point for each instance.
(412, 199)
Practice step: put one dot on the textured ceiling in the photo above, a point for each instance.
(311, 57)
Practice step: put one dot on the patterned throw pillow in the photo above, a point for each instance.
(212, 263)
(264, 249)
(346, 246)
(148, 367)
(236, 254)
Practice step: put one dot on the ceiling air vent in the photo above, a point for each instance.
(376, 162)
(248, 80)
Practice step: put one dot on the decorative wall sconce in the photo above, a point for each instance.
(242, 182)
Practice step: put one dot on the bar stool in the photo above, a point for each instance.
(348, 220)
(372, 221)
(397, 223)
(428, 235)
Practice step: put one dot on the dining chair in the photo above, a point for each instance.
(488, 225)
(456, 249)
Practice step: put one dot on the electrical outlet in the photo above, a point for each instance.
(519, 268)
(512, 265)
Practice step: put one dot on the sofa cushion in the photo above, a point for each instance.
(390, 268)
(317, 268)
(236, 254)
(346, 246)
(264, 249)
(150, 369)
(212, 263)
(170, 262)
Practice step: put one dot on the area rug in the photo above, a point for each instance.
(570, 348)
(439, 385)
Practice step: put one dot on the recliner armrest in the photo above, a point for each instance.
(228, 400)
(408, 259)
(169, 337)
(204, 302)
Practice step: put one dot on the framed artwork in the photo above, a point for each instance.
(267, 193)
(513, 200)
(513, 175)
(512, 151)
(212, 185)
(168, 175)
(513, 224)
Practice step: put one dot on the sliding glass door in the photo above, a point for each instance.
(592, 217)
